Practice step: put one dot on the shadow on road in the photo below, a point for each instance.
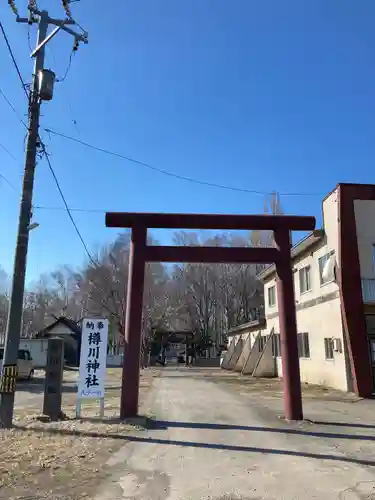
(194, 444)
(345, 424)
(162, 425)
(36, 386)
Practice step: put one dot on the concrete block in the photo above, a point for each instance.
(236, 354)
(253, 356)
(266, 363)
(227, 355)
(244, 354)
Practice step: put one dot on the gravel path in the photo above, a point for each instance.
(212, 441)
(29, 393)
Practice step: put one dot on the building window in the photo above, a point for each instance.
(272, 296)
(276, 346)
(303, 345)
(328, 348)
(304, 279)
(323, 262)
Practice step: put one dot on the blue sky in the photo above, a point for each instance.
(266, 95)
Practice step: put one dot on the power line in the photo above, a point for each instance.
(63, 78)
(172, 174)
(67, 208)
(13, 109)
(13, 59)
(8, 182)
(8, 152)
(74, 121)
(72, 209)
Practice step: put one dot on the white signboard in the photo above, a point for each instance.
(92, 367)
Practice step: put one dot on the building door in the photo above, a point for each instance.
(370, 326)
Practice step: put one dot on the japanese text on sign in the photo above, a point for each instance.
(92, 366)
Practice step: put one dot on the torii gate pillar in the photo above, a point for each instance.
(133, 324)
(288, 328)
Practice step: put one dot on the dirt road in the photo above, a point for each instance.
(211, 440)
(29, 393)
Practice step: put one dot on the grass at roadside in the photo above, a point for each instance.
(271, 387)
(64, 459)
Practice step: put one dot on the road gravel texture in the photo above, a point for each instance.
(213, 440)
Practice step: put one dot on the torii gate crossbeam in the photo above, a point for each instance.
(140, 253)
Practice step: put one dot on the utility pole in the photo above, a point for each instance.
(41, 89)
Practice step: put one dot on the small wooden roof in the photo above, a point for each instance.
(69, 323)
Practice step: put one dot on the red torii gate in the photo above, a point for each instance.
(140, 253)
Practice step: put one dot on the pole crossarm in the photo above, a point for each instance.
(210, 221)
(211, 255)
(45, 41)
(61, 24)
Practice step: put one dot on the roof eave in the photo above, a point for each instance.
(237, 330)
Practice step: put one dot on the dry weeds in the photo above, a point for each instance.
(63, 459)
(273, 387)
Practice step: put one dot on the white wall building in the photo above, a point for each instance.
(334, 282)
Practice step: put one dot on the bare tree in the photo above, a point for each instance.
(208, 298)
(215, 297)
